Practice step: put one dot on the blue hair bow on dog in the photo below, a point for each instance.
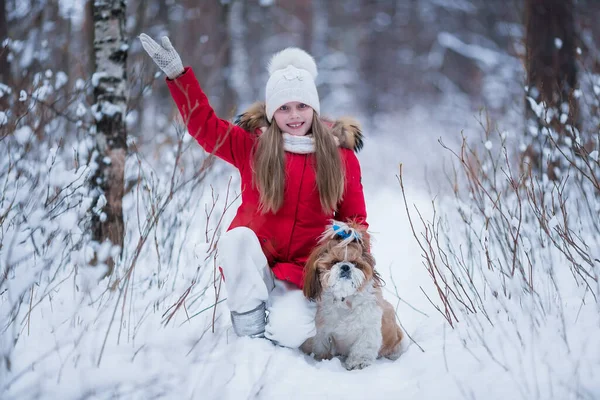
(344, 232)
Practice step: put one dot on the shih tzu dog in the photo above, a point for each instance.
(353, 319)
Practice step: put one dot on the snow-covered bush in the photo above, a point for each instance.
(165, 277)
(515, 259)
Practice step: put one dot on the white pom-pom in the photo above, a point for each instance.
(293, 56)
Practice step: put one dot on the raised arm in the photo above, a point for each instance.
(215, 135)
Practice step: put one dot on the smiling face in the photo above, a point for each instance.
(294, 118)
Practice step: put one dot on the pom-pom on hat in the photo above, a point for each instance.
(292, 74)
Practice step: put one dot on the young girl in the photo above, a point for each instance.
(297, 173)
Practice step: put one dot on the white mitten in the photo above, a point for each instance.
(164, 56)
(291, 318)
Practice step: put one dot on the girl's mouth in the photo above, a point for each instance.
(296, 125)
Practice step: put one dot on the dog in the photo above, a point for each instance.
(353, 319)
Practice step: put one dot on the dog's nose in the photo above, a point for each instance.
(345, 268)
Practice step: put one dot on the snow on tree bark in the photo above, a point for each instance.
(110, 95)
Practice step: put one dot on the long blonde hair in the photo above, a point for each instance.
(269, 168)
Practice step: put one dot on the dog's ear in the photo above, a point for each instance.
(312, 284)
(366, 241)
(379, 282)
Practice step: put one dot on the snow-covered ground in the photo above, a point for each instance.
(76, 339)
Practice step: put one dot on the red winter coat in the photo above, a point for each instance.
(287, 236)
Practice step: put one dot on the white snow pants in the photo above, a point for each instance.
(250, 282)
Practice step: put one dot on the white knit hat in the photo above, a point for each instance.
(292, 74)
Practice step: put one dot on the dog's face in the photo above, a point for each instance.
(339, 267)
(344, 270)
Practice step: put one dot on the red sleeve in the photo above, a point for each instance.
(215, 135)
(352, 206)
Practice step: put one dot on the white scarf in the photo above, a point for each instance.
(298, 144)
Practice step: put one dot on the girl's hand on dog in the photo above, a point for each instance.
(290, 310)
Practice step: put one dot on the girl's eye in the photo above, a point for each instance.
(302, 106)
(283, 108)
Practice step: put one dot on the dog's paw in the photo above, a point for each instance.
(352, 363)
(395, 353)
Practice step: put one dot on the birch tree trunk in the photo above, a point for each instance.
(110, 87)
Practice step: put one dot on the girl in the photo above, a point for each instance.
(297, 173)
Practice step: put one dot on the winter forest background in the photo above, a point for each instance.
(481, 173)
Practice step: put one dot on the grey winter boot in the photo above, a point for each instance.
(250, 323)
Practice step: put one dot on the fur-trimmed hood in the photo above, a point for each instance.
(346, 129)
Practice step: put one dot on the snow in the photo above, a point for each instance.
(68, 220)
(51, 157)
(76, 348)
(72, 9)
(97, 76)
(484, 55)
(526, 244)
(79, 84)
(101, 202)
(23, 135)
(73, 337)
(61, 80)
(538, 108)
(558, 43)
(42, 92)
(80, 110)
(563, 118)
(553, 223)
(131, 118)
(99, 110)
(4, 89)
(462, 5)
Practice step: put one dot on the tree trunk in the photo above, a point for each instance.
(88, 32)
(240, 74)
(228, 97)
(377, 65)
(318, 34)
(110, 85)
(551, 68)
(4, 64)
(5, 73)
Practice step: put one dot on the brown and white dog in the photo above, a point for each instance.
(353, 319)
